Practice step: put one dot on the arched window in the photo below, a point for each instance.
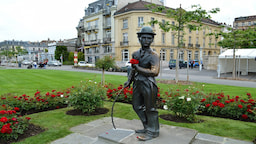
(125, 55)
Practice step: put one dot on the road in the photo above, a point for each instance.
(204, 76)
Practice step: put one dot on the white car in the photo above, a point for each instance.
(26, 62)
(83, 63)
(128, 63)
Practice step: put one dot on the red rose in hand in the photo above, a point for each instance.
(134, 61)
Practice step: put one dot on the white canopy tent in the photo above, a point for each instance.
(245, 61)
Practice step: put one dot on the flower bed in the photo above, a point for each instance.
(11, 123)
(186, 103)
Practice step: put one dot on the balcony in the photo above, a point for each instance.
(92, 42)
(197, 45)
(107, 26)
(124, 43)
(106, 13)
(91, 28)
(190, 45)
(107, 40)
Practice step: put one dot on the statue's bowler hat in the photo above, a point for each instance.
(146, 30)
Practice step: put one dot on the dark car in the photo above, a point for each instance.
(182, 64)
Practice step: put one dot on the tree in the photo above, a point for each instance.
(71, 56)
(185, 19)
(61, 51)
(80, 56)
(105, 63)
(240, 38)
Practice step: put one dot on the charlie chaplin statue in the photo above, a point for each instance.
(145, 67)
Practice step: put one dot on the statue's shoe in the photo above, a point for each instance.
(144, 137)
(140, 131)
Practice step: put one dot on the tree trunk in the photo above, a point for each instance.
(103, 78)
(234, 64)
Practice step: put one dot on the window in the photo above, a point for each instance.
(196, 55)
(163, 55)
(97, 50)
(140, 21)
(108, 21)
(152, 25)
(107, 49)
(173, 23)
(197, 40)
(190, 31)
(89, 25)
(203, 42)
(181, 55)
(189, 39)
(204, 31)
(108, 33)
(125, 55)
(125, 39)
(242, 23)
(163, 21)
(173, 39)
(249, 23)
(97, 58)
(163, 38)
(215, 44)
(96, 23)
(125, 23)
(189, 55)
(210, 43)
(171, 54)
(210, 30)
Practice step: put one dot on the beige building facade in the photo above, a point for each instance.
(130, 19)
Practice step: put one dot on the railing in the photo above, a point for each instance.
(106, 39)
(197, 45)
(190, 45)
(124, 43)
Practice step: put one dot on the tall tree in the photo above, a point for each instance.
(61, 51)
(237, 38)
(185, 19)
(80, 56)
(105, 63)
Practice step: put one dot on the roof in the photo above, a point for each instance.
(243, 53)
(141, 5)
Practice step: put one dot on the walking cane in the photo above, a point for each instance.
(113, 107)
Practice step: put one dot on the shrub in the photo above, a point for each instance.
(87, 97)
(11, 125)
(125, 95)
(184, 103)
(38, 102)
(219, 104)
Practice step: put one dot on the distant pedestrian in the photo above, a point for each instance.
(34, 64)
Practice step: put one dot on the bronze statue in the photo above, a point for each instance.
(145, 67)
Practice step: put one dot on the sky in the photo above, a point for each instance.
(37, 20)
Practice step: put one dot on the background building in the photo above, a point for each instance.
(244, 22)
(130, 19)
(96, 30)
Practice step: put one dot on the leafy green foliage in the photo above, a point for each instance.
(61, 50)
(237, 38)
(11, 124)
(185, 19)
(184, 103)
(71, 56)
(80, 56)
(105, 63)
(87, 97)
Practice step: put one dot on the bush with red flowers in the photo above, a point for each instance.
(38, 102)
(11, 124)
(221, 105)
(125, 95)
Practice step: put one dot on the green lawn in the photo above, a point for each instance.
(57, 123)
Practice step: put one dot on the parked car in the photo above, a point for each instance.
(81, 63)
(26, 62)
(172, 64)
(128, 63)
(54, 63)
(85, 64)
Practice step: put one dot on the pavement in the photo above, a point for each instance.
(101, 131)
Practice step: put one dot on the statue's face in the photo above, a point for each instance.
(146, 40)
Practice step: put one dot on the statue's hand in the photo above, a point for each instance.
(135, 66)
(127, 84)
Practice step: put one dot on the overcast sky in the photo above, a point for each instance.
(37, 20)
